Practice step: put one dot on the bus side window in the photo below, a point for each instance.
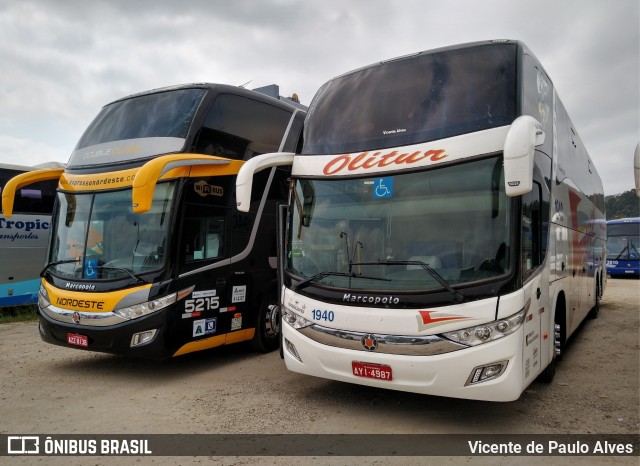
(531, 231)
(228, 132)
(36, 198)
(202, 235)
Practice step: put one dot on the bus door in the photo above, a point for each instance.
(254, 250)
(204, 263)
(535, 293)
(244, 271)
(581, 264)
(533, 332)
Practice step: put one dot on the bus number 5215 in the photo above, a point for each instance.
(202, 304)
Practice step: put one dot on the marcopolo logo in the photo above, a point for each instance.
(79, 286)
(359, 298)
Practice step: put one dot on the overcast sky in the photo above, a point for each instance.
(64, 59)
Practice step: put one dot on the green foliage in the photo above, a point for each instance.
(623, 205)
(17, 313)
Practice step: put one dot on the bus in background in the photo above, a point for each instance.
(446, 226)
(148, 256)
(623, 247)
(24, 238)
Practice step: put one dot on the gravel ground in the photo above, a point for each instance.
(46, 389)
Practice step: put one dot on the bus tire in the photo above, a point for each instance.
(267, 336)
(595, 310)
(549, 372)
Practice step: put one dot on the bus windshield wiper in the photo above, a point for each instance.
(125, 270)
(53, 264)
(320, 275)
(622, 252)
(459, 296)
(69, 261)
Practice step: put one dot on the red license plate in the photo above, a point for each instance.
(77, 340)
(371, 371)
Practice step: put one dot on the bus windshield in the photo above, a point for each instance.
(140, 126)
(384, 233)
(98, 237)
(416, 99)
(623, 241)
(165, 114)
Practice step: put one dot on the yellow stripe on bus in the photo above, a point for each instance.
(98, 181)
(145, 180)
(218, 340)
(87, 301)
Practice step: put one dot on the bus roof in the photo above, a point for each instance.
(27, 168)
(165, 120)
(521, 45)
(221, 88)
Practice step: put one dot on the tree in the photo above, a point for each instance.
(623, 205)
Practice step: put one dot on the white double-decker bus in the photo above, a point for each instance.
(446, 230)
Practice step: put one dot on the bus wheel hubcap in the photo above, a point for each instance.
(272, 326)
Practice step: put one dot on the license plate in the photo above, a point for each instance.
(371, 371)
(77, 340)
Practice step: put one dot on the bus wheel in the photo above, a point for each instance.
(593, 313)
(559, 328)
(267, 336)
(549, 372)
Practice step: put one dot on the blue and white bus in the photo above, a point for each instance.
(623, 247)
(24, 237)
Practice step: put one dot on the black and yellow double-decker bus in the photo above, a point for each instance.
(148, 255)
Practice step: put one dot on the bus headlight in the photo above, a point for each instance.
(491, 331)
(43, 298)
(143, 309)
(143, 338)
(487, 372)
(295, 320)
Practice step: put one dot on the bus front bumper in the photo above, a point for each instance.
(449, 374)
(115, 339)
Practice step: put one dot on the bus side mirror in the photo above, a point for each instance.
(244, 181)
(524, 135)
(22, 180)
(636, 169)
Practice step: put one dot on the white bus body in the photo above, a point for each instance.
(446, 227)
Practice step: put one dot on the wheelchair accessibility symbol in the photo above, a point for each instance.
(383, 188)
(90, 267)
